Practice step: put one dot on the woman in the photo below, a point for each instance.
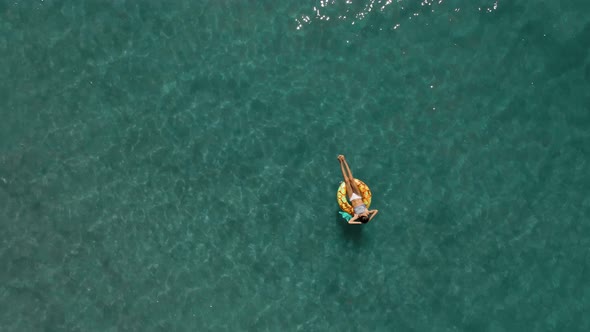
(361, 212)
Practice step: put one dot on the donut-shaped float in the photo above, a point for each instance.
(343, 198)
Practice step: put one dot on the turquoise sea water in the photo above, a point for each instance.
(171, 165)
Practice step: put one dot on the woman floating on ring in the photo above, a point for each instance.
(361, 212)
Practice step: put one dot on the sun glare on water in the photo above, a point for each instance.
(353, 12)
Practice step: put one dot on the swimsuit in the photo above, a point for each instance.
(354, 196)
(359, 208)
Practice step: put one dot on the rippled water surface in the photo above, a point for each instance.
(171, 166)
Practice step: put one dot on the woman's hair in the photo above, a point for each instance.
(364, 219)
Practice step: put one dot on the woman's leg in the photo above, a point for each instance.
(347, 180)
(355, 188)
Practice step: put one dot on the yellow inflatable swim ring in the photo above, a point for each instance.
(343, 199)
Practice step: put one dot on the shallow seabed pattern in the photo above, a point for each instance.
(171, 166)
